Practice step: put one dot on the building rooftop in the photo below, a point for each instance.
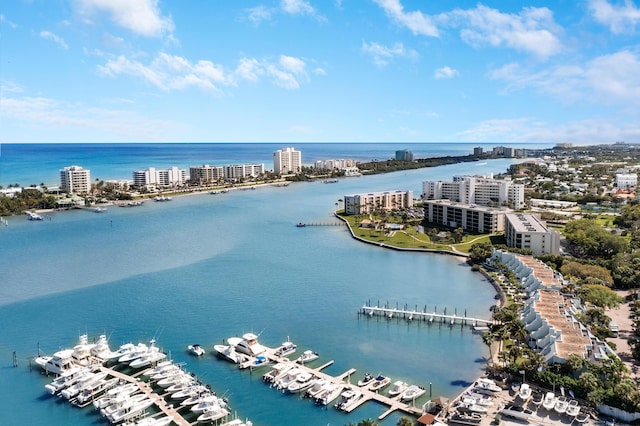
(524, 222)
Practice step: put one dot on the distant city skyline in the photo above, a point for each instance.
(295, 71)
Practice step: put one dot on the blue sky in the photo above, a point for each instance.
(319, 71)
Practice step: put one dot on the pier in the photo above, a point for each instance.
(344, 379)
(305, 224)
(424, 315)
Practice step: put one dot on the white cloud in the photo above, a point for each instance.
(382, 55)
(140, 16)
(609, 79)
(170, 72)
(10, 87)
(51, 113)
(259, 13)
(445, 72)
(300, 7)
(619, 19)
(48, 35)
(417, 22)
(533, 30)
(4, 20)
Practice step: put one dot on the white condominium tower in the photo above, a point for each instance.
(75, 179)
(287, 160)
(483, 191)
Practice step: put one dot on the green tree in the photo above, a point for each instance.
(404, 421)
(600, 296)
(480, 252)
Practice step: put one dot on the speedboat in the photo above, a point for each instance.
(136, 352)
(328, 395)
(348, 399)
(480, 399)
(155, 421)
(130, 412)
(397, 388)
(302, 382)
(95, 390)
(318, 386)
(487, 386)
(118, 393)
(366, 380)
(288, 378)
(247, 345)
(517, 412)
(212, 414)
(380, 383)
(152, 355)
(471, 405)
(86, 382)
(122, 402)
(287, 348)
(277, 372)
(412, 392)
(66, 379)
(307, 356)
(160, 367)
(196, 349)
(525, 392)
(189, 391)
(549, 401)
(177, 378)
(196, 399)
(561, 405)
(101, 349)
(537, 399)
(573, 409)
(211, 402)
(229, 353)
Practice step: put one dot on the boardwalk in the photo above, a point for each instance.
(433, 316)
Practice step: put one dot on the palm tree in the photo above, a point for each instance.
(487, 339)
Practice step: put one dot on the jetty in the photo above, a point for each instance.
(344, 379)
(424, 315)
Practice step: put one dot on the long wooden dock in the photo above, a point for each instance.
(424, 315)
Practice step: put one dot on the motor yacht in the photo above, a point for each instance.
(302, 382)
(95, 390)
(210, 402)
(122, 402)
(397, 388)
(196, 349)
(85, 382)
(380, 383)
(177, 378)
(277, 372)
(66, 379)
(160, 367)
(287, 348)
(366, 380)
(412, 393)
(150, 357)
(212, 414)
(318, 386)
(327, 396)
(247, 345)
(58, 363)
(101, 349)
(348, 398)
(229, 353)
(135, 352)
(196, 399)
(288, 378)
(517, 412)
(116, 394)
(307, 356)
(155, 421)
(195, 389)
(486, 386)
(130, 411)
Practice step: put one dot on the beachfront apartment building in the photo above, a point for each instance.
(470, 217)
(152, 178)
(287, 160)
(75, 180)
(549, 317)
(388, 200)
(404, 155)
(527, 231)
(205, 174)
(338, 164)
(482, 191)
(240, 171)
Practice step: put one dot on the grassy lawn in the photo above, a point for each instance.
(411, 238)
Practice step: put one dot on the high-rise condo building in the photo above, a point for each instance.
(287, 160)
(75, 179)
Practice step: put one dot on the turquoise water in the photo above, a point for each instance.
(202, 268)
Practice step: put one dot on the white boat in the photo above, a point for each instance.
(380, 383)
(549, 401)
(318, 386)
(212, 414)
(66, 379)
(211, 402)
(95, 390)
(179, 387)
(154, 421)
(196, 349)
(487, 386)
(118, 393)
(582, 417)
(348, 399)
(412, 392)
(162, 198)
(160, 367)
(525, 392)
(196, 399)
(131, 411)
(288, 378)
(573, 409)
(247, 345)
(86, 381)
(166, 372)
(397, 388)
(229, 353)
(366, 380)
(177, 378)
(470, 419)
(259, 361)
(189, 392)
(517, 412)
(307, 356)
(537, 398)
(302, 382)
(332, 392)
(121, 351)
(58, 363)
(561, 405)
(277, 372)
(101, 349)
(122, 402)
(150, 357)
(287, 348)
(480, 399)
(135, 352)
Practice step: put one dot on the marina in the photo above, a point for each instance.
(424, 315)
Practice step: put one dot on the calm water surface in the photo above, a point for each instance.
(206, 267)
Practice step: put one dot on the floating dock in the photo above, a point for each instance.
(424, 315)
